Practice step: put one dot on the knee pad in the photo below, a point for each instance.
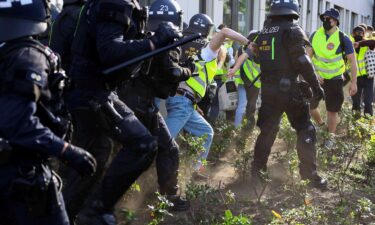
(307, 135)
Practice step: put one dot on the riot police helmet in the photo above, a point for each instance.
(23, 18)
(252, 36)
(201, 23)
(284, 8)
(164, 11)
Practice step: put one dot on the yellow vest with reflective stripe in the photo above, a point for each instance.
(206, 73)
(361, 63)
(328, 64)
(237, 78)
(252, 71)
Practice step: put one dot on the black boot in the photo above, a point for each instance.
(316, 181)
(95, 215)
(179, 204)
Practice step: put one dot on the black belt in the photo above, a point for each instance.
(187, 94)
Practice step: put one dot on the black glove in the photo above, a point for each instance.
(318, 93)
(190, 63)
(165, 34)
(80, 160)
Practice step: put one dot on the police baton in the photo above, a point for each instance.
(151, 54)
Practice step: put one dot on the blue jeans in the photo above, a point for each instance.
(182, 115)
(241, 108)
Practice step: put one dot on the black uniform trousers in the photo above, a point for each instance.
(274, 103)
(95, 131)
(365, 89)
(142, 101)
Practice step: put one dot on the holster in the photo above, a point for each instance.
(35, 187)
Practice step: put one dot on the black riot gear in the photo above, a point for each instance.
(272, 51)
(199, 23)
(164, 10)
(62, 32)
(284, 8)
(54, 12)
(282, 57)
(108, 33)
(23, 18)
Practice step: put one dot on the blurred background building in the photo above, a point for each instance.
(245, 15)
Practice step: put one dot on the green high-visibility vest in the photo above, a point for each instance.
(206, 73)
(328, 64)
(252, 71)
(361, 63)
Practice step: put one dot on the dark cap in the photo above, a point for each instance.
(359, 29)
(333, 13)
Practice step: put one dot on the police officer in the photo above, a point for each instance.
(62, 33)
(282, 57)
(44, 37)
(29, 189)
(159, 80)
(108, 33)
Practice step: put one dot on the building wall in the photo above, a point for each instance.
(190, 8)
(353, 12)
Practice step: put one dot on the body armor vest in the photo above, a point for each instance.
(62, 34)
(273, 56)
(88, 67)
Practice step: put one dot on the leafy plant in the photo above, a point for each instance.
(159, 211)
(203, 192)
(230, 219)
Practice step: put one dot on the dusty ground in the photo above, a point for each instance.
(224, 177)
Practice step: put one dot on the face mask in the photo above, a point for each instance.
(358, 38)
(327, 25)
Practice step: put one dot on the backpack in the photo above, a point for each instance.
(370, 63)
(342, 44)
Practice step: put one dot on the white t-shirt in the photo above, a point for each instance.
(207, 54)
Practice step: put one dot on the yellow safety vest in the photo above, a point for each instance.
(361, 63)
(328, 64)
(360, 57)
(237, 78)
(206, 73)
(252, 71)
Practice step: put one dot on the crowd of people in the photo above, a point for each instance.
(65, 95)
